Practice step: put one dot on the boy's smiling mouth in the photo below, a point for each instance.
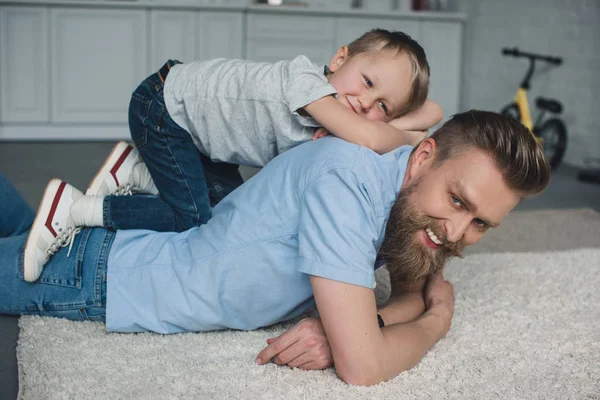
(350, 104)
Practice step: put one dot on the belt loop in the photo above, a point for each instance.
(164, 70)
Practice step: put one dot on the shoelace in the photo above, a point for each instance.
(64, 239)
(125, 190)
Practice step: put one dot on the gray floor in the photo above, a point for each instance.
(31, 165)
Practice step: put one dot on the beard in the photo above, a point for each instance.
(406, 257)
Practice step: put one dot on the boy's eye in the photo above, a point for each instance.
(368, 81)
(383, 107)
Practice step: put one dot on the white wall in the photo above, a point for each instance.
(566, 28)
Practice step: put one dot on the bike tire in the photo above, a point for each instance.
(511, 110)
(554, 134)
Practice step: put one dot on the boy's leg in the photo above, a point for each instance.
(120, 212)
(16, 216)
(123, 173)
(72, 286)
(222, 178)
(174, 164)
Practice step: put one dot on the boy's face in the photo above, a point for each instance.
(375, 84)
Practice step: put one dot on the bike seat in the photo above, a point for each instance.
(548, 104)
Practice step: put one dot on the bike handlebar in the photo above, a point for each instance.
(515, 52)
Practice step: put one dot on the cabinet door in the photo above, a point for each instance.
(442, 42)
(98, 58)
(274, 37)
(193, 36)
(24, 64)
(173, 36)
(219, 34)
(349, 29)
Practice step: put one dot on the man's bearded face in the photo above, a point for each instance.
(406, 255)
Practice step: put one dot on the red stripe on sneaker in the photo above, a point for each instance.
(59, 193)
(119, 162)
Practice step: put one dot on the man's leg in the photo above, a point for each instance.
(71, 286)
(173, 162)
(16, 216)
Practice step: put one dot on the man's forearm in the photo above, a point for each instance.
(402, 308)
(406, 344)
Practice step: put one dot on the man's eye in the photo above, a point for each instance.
(480, 223)
(456, 201)
(368, 81)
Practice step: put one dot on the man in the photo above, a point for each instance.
(305, 230)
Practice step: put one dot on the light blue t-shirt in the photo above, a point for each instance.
(318, 209)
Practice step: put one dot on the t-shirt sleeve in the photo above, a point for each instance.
(306, 83)
(338, 230)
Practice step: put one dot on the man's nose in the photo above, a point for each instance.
(456, 228)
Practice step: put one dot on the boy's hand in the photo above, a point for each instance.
(321, 132)
(413, 138)
(304, 346)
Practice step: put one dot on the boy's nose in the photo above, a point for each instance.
(366, 102)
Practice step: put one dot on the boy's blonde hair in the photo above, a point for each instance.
(381, 39)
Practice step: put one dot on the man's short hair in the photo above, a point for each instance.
(381, 39)
(516, 153)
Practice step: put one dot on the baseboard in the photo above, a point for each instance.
(44, 132)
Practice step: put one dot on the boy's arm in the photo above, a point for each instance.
(422, 119)
(345, 124)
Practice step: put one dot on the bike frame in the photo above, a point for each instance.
(521, 97)
(523, 104)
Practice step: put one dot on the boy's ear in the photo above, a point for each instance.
(339, 58)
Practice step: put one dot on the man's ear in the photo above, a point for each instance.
(421, 159)
(339, 58)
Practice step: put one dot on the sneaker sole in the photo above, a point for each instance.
(114, 160)
(45, 209)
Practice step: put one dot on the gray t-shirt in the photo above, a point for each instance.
(245, 112)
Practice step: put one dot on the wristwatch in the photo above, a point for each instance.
(380, 320)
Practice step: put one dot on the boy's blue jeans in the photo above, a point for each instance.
(71, 287)
(188, 181)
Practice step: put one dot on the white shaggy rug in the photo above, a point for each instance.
(526, 326)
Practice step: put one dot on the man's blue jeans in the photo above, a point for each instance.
(71, 287)
(189, 183)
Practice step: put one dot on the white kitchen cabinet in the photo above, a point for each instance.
(68, 67)
(98, 59)
(24, 78)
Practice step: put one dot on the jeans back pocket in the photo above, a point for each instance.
(65, 267)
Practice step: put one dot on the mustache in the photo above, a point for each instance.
(453, 249)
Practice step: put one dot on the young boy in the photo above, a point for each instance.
(192, 123)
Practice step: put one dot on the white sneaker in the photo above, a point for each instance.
(123, 173)
(52, 228)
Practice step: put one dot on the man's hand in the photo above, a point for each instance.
(439, 299)
(304, 346)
